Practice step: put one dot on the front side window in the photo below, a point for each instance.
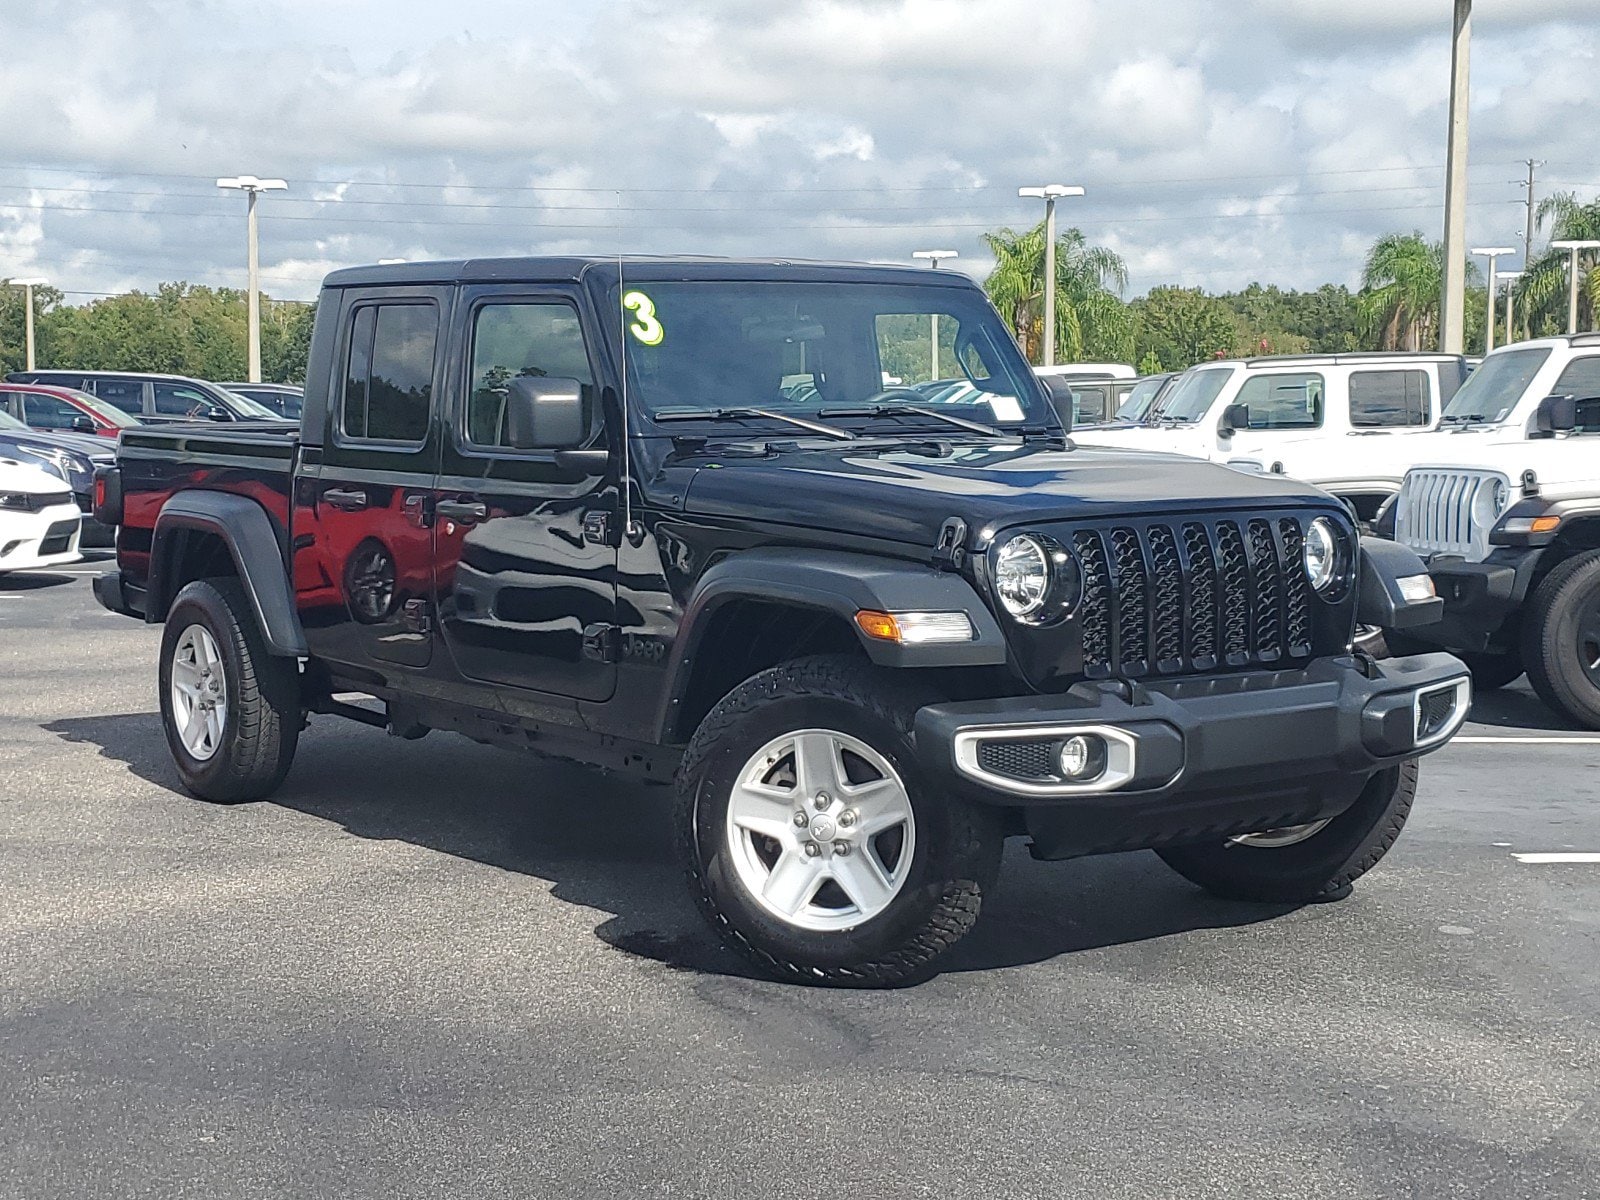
(541, 339)
(1386, 399)
(126, 394)
(46, 412)
(388, 387)
(1581, 381)
(808, 349)
(177, 400)
(1288, 401)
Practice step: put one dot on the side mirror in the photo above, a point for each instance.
(1556, 414)
(545, 414)
(217, 413)
(1234, 418)
(1060, 393)
(82, 425)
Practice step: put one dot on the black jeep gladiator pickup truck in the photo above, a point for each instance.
(711, 522)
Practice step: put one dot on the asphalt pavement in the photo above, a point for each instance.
(434, 969)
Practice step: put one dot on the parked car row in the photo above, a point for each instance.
(158, 398)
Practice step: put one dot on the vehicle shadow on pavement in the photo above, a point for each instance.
(606, 844)
(32, 581)
(1516, 708)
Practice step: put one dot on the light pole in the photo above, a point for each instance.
(1049, 193)
(1452, 303)
(934, 257)
(252, 188)
(1572, 247)
(27, 286)
(1492, 253)
(1511, 278)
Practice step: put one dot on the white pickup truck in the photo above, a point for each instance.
(1315, 417)
(1504, 505)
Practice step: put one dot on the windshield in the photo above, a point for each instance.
(1138, 401)
(111, 414)
(810, 348)
(245, 407)
(1192, 395)
(1495, 386)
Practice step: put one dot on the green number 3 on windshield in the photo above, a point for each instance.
(646, 328)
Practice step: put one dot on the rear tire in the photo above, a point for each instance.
(233, 724)
(1561, 639)
(1320, 866)
(916, 862)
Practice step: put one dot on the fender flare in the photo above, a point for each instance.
(841, 583)
(252, 540)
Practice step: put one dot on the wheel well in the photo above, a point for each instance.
(193, 554)
(1576, 537)
(746, 637)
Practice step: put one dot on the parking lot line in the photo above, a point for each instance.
(1560, 856)
(1484, 739)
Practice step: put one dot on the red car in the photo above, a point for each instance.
(62, 410)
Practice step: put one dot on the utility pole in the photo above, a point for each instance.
(934, 257)
(1573, 248)
(1050, 193)
(1492, 253)
(1452, 302)
(252, 188)
(27, 286)
(1527, 228)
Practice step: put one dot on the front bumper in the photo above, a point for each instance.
(1199, 758)
(46, 538)
(1480, 598)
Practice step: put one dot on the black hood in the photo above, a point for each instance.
(893, 493)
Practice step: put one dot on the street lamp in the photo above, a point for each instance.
(1511, 278)
(934, 257)
(253, 187)
(1492, 253)
(1573, 246)
(27, 286)
(1049, 193)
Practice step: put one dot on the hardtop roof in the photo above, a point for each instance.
(645, 268)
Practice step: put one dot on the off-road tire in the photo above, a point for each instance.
(1491, 671)
(262, 717)
(1550, 628)
(957, 845)
(1320, 868)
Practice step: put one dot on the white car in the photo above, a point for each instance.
(1315, 417)
(39, 519)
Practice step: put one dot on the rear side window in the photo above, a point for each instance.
(1387, 399)
(1283, 401)
(126, 394)
(388, 385)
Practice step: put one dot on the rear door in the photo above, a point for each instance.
(130, 395)
(364, 555)
(525, 547)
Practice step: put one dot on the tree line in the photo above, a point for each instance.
(191, 330)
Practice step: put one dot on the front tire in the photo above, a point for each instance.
(815, 845)
(1491, 671)
(1561, 639)
(1307, 863)
(230, 710)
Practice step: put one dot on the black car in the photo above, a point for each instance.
(156, 398)
(668, 517)
(282, 398)
(74, 457)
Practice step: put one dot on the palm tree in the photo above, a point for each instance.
(1542, 290)
(1091, 320)
(1400, 286)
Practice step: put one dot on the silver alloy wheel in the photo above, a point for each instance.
(820, 830)
(1276, 839)
(199, 692)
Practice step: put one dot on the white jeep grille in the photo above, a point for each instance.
(1450, 511)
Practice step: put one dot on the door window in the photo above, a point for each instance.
(508, 340)
(388, 386)
(179, 400)
(1581, 380)
(1381, 399)
(126, 394)
(46, 412)
(1283, 401)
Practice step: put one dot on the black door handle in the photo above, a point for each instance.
(462, 510)
(348, 501)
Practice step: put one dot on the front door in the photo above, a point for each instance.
(1283, 405)
(363, 544)
(525, 548)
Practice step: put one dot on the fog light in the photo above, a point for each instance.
(1416, 588)
(1082, 757)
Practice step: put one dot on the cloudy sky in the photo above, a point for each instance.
(1220, 141)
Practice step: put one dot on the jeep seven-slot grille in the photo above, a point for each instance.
(1166, 598)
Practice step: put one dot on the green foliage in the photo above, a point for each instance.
(1178, 327)
(1092, 322)
(13, 327)
(1289, 322)
(1542, 293)
(1150, 364)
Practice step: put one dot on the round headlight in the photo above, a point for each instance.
(1501, 495)
(1322, 553)
(1022, 576)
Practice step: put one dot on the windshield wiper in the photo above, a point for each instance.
(1463, 418)
(912, 410)
(741, 414)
